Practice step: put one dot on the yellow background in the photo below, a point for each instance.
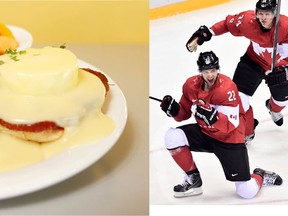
(182, 7)
(104, 21)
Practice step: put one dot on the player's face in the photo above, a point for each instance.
(209, 76)
(265, 18)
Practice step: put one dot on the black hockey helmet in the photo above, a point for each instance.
(207, 60)
(269, 5)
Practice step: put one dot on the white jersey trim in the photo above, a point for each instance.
(282, 50)
(232, 113)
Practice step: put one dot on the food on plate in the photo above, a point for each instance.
(51, 104)
(7, 39)
(46, 93)
(5, 31)
(7, 43)
(44, 131)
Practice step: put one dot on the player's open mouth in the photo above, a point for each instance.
(211, 81)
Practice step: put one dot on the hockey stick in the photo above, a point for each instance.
(276, 35)
(156, 99)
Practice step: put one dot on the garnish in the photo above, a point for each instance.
(1, 62)
(13, 54)
(63, 46)
(21, 52)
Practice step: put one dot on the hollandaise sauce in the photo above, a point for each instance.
(47, 85)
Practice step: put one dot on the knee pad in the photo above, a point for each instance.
(247, 189)
(175, 138)
(245, 101)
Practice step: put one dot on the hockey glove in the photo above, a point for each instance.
(198, 38)
(278, 76)
(206, 113)
(170, 106)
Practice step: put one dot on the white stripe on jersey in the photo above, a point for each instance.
(232, 113)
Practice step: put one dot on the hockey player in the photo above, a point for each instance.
(214, 100)
(255, 65)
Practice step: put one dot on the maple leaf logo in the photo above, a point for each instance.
(268, 57)
(282, 60)
(233, 117)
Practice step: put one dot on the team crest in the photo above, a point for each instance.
(208, 60)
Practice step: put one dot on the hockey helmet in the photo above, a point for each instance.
(269, 5)
(207, 60)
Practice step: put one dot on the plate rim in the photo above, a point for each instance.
(22, 36)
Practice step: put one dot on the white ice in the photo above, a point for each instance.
(170, 65)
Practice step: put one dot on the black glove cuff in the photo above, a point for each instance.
(277, 76)
(170, 106)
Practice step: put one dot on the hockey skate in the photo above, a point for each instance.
(190, 187)
(249, 138)
(269, 178)
(277, 117)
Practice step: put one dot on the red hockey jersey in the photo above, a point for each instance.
(261, 43)
(224, 98)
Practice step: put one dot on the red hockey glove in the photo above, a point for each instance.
(278, 76)
(206, 113)
(170, 106)
(202, 34)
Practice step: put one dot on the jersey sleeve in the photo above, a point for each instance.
(220, 28)
(185, 102)
(185, 109)
(232, 24)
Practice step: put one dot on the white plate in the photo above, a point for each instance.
(71, 161)
(22, 36)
